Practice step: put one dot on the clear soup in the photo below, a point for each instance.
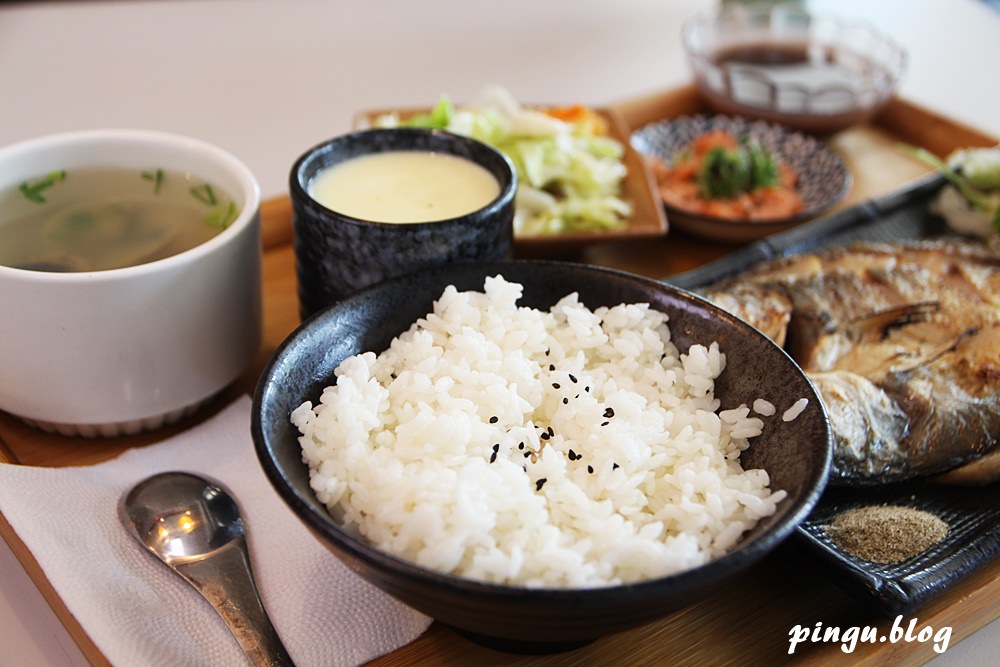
(101, 218)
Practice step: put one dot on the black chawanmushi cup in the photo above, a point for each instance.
(337, 254)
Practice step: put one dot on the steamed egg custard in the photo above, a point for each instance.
(405, 187)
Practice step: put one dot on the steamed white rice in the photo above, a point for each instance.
(562, 448)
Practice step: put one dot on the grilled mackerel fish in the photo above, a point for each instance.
(902, 340)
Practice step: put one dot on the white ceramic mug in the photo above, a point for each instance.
(124, 350)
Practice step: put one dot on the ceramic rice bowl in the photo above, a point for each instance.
(796, 454)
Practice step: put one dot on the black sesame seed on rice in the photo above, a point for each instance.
(590, 469)
(555, 385)
(494, 419)
(609, 413)
(572, 378)
(493, 457)
(540, 483)
(565, 401)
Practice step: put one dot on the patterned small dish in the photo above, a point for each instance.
(824, 179)
(902, 588)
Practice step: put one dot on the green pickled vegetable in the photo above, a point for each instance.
(974, 173)
(727, 173)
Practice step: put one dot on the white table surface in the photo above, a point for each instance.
(266, 79)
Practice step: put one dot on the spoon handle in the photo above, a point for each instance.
(226, 580)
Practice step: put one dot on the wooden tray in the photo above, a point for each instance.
(748, 623)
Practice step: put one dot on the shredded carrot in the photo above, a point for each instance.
(581, 116)
(570, 114)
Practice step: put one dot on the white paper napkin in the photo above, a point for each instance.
(140, 613)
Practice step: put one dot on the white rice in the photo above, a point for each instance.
(792, 413)
(764, 407)
(561, 448)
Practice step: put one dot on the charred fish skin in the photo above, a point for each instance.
(914, 422)
(902, 341)
(868, 428)
(768, 310)
(948, 426)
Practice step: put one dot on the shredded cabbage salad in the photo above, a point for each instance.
(570, 171)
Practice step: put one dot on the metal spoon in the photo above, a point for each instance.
(194, 526)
